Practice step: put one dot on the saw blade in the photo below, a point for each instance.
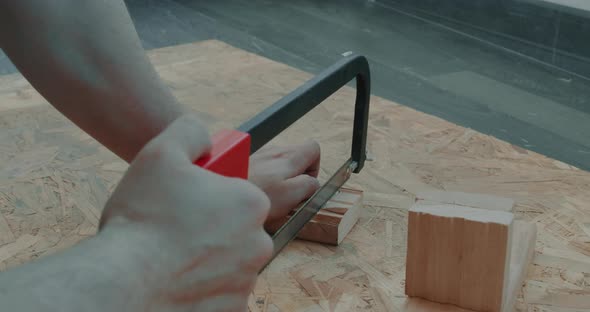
(310, 208)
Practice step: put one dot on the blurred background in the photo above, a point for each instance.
(515, 69)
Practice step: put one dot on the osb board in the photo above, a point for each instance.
(54, 180)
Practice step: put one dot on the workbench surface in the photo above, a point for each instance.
(54, 180)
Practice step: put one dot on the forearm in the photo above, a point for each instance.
(85, 58)
(108, 272)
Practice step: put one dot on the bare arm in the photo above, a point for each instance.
(186, 257)
(85, 58)
(107, 272)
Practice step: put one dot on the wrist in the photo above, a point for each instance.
(147, 263)
(109, 272)
(125, 263)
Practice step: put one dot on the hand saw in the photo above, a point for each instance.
(231, 149)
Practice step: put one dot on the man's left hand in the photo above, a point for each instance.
(288, 175)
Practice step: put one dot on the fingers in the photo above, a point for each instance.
(291, 193)
(305, 158)
(185, 138)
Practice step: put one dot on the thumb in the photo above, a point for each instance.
(290, 193)
(185, 137)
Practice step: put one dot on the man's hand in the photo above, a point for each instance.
(287, 175)
(209, 241)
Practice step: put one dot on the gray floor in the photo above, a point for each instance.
(414, 62)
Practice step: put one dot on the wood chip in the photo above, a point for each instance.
(91, 213)
(6, 235)
(542, 293)
(28, 162)
(563, 259)
(61, 191)
(252, 307)
(23, 242)
(389, 239)
(87, 229)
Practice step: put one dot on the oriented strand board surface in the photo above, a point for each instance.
(481, 201)
(54, 180)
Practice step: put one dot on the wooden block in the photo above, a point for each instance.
(334, 221)
(521, 255)
(482, 201)
(458, 255)
(469, 257)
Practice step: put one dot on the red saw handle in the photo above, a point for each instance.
(229, 155)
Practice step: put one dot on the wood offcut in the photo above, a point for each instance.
(334, 221)
(466, 256)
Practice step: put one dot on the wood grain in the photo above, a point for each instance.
(458, 255)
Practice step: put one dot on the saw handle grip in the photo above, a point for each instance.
(229, 155)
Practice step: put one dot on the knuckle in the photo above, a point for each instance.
(193, 125)
(293, 163)
(314, 146)
(187, 120)
(186, 129)
(253, 199)
(259, 247)
(152, 152)
(258, 204)
(311, 182)
(265, 247)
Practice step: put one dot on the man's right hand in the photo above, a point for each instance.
(204, 231)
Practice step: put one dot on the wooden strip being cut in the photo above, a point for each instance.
(334, 221)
